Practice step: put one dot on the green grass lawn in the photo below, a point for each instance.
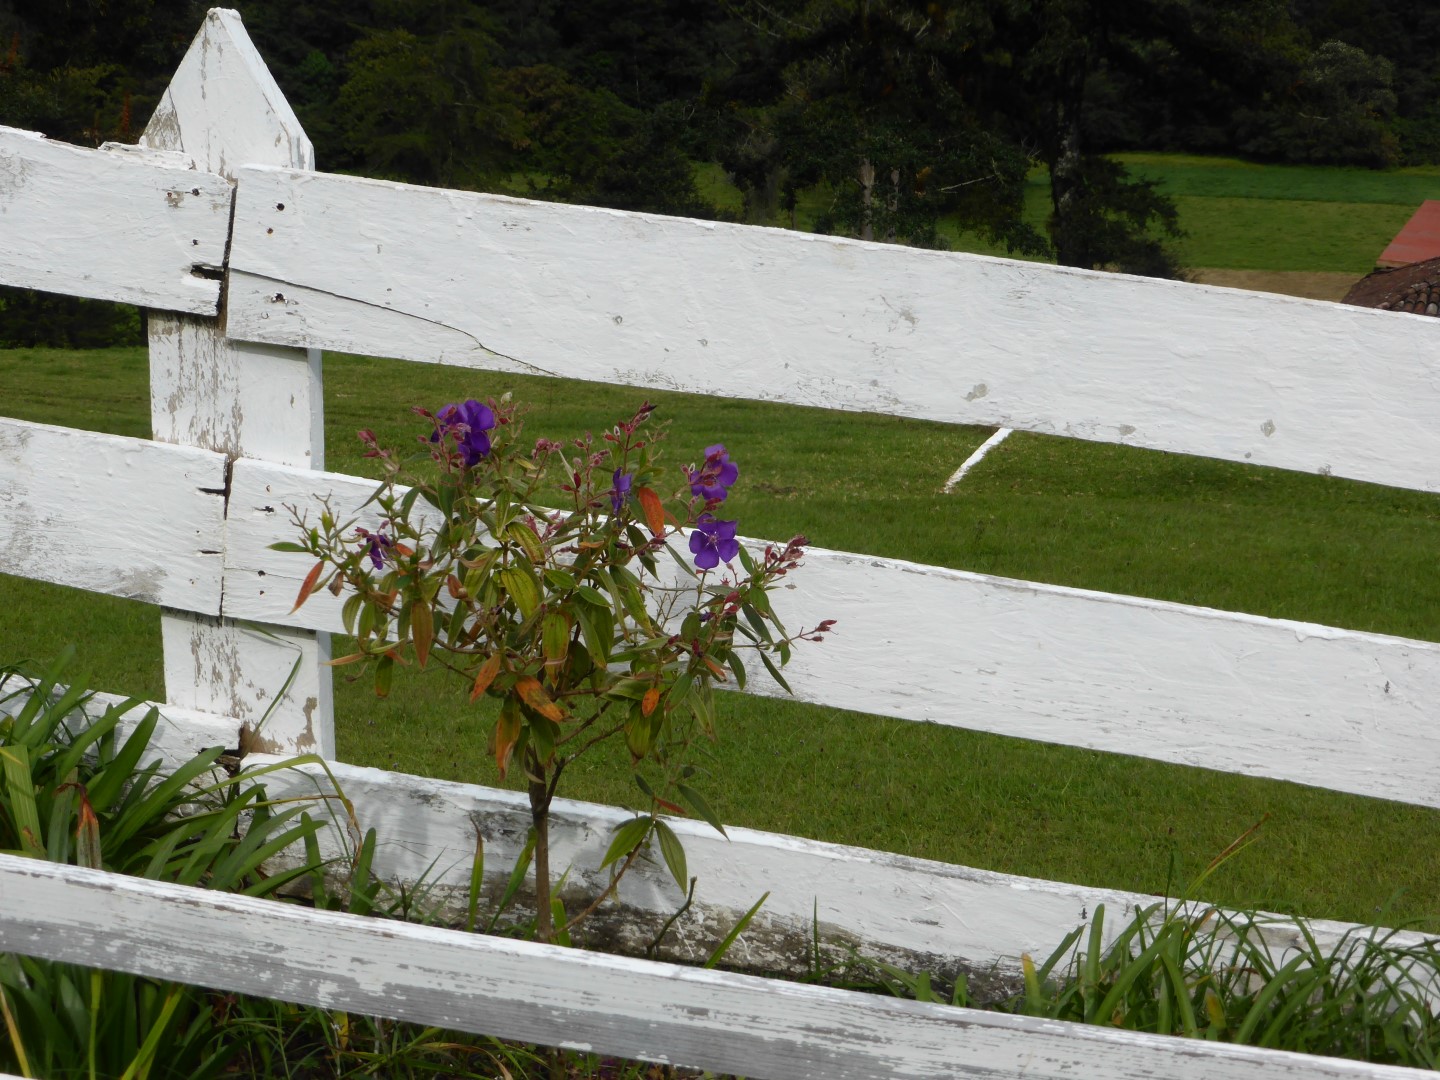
(1046, 509)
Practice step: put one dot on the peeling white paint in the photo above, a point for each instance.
(740, 311)
(719, 1021)
(69, 515)
(133, 228)
(974, 459)
(882, 904)
(223, 108)
(1295, 701)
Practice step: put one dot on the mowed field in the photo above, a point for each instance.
(1045, 509)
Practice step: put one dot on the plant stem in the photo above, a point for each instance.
(540, 795)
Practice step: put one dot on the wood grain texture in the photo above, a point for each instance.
(604, 1004)
(135, 227)
(125, 517)
(737, 311)
(920, 914)
(223, 108)
(1262, 697)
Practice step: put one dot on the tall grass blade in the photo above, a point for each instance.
(735, 931)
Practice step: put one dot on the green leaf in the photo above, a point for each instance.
(628, 837)
(289, 545)
(592, 595)
(690, 628)
(639, 734)
(737, 929)
(15, 766)
(632, 595)
(733, 659)
(105, 789)
(517, 879)
(629, 689)
(747, 561)
(560, 580)
(774, 671)
(525, 536)
(673, 851)
(695, 799)
(384, 676)
(597, 627)
(555, 636)
(542, 734)
(519, 582)
(477, 878)
(350, 612)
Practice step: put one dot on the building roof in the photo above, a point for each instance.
(1418, 240)
(1414, 288)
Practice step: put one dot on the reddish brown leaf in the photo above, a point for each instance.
(353, 658)
(649, 701)
(654, 512)
(308, 586)
(534, 695)
(422, 630)
(485, 676)
(507, 733)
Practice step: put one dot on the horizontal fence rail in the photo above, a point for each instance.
(1262, 697)
(164, 224)
(125, 517)
(586, 1001)
(336, 262)
(917, 913)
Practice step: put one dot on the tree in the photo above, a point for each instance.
(1338, 111)
(418, 101)
(873, 100)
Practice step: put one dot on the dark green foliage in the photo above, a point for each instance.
(30, 319)
(418, 104)
(1337, 110)
(872, 101)
(1112, 222)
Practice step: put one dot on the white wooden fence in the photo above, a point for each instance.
(250, 262)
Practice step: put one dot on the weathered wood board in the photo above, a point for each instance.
(223, 108)
(917, 913)
(1261, 697)
(179, 735)
(126, 517)
(128, 225)
(738, 311)
(610, 1005)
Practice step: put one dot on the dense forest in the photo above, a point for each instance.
(903, 111)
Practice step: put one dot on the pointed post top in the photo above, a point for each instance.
(223, 107)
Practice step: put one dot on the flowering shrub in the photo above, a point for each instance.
(561, 616)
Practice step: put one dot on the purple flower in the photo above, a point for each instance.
(620, 494)
(712, 480)
(469, 422)
(713, 542)
(377, 544)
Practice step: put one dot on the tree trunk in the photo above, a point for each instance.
(867, 199)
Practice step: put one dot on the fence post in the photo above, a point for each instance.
(224, 109)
